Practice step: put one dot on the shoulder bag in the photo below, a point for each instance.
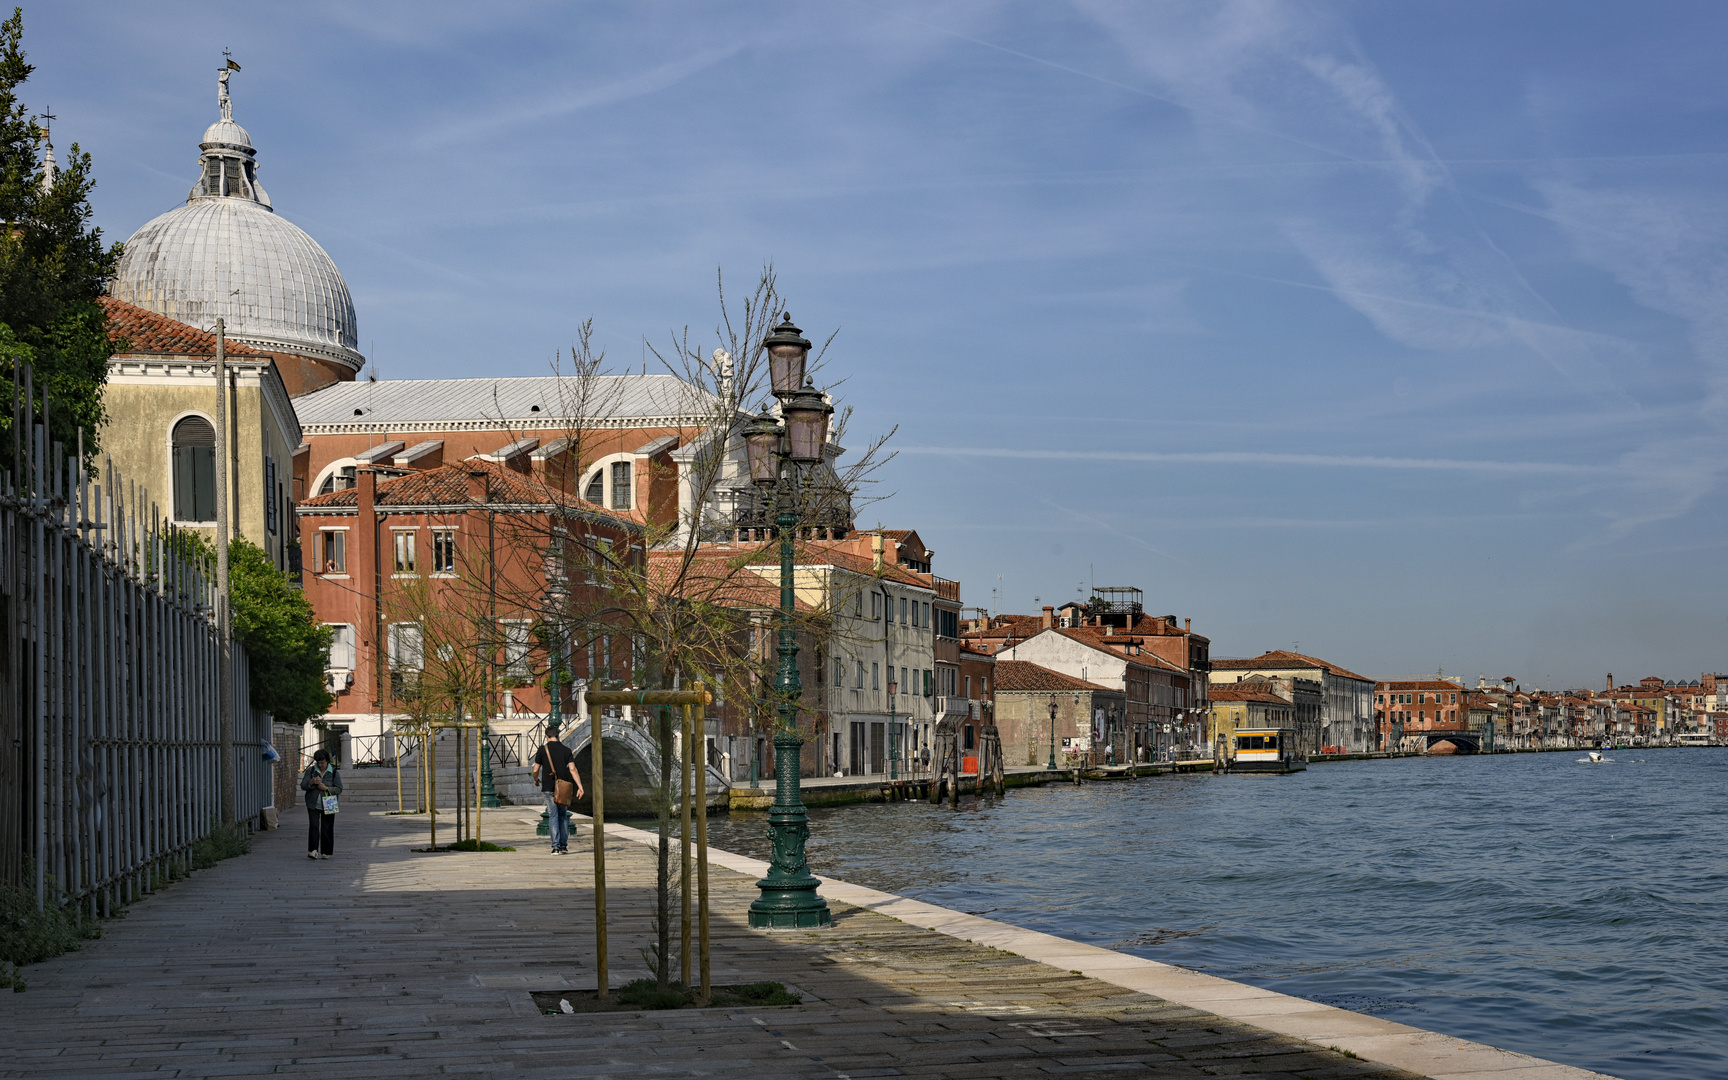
(563, 791)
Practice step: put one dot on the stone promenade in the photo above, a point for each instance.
(382, 963)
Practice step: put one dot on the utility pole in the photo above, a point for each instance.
(225, 661)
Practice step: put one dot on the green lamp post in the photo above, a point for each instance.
(893, 722)
(1052, 732)
(777, 454)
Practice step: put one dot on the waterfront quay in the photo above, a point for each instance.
(841, 790)
(386, 962)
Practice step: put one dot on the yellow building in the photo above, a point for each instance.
(1247, 705)
(161, 430)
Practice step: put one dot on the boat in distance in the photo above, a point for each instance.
(1266, 750)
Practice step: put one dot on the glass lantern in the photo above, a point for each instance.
(806, 414)
(762, 448)
(787, 351)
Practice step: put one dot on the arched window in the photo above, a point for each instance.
(596, 490)
(194, 442)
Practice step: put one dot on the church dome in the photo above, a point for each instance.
(226, 253)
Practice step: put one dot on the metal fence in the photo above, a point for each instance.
(109, 719)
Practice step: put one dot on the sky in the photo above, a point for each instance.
(1393, 332)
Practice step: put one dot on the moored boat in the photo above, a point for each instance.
(1267, 750)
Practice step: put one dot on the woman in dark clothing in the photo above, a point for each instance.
(320, 779)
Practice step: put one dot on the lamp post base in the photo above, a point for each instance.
(789, 900)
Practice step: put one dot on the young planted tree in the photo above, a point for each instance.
(688, 591)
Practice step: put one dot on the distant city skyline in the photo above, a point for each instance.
(1398, 331)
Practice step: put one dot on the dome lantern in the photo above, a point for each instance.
(225, 253)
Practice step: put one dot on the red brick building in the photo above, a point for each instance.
(394, 563)
(1409, 711)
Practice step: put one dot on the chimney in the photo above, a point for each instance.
(1109, 630)
(1187, 626)
(1049, 618)
(365, 489)
(876, 552)
(477, 485)
(1610, 685)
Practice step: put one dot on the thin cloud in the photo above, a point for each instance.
(651, 81)
(1241, 457)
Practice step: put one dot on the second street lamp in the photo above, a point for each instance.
(1052, 732)
(789, 899)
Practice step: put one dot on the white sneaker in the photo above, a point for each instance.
(323, 856)
(311, 854)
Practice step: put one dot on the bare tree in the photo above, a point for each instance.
(687, 590)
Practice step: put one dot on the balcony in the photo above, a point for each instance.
(945, 589)
(950, 706)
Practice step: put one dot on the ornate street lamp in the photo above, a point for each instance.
(789, 899)
(893, 772)
(1052, 732)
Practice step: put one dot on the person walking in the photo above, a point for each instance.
(320, 779)
(552, 763)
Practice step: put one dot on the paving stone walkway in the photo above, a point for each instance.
(382, 962)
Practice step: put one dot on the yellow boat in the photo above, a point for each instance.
(1268, 750)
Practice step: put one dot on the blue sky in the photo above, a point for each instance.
(1396, 330)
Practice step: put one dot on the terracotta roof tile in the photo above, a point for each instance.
(1025, 675)
(1229, 692)
(147, 333)
(1283, 659)
(718, 579)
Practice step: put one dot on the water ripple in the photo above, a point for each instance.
(1535, 901)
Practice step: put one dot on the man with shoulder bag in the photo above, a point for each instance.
(552, 763)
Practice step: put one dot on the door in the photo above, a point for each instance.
(878, 747)
(855, 763)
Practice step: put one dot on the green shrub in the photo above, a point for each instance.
(642, 994)
(28, 936)
(223, 842)
(764, 993)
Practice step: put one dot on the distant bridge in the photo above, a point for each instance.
(1466, 740)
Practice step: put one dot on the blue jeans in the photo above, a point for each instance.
(558, 822)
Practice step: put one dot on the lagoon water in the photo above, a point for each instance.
(1535, 902)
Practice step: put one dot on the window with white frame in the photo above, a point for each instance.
(404, 541)
(518, 647)
(341, 647)
(859, 685)
(407, 647)
(333, 553)
(443, 551)
(621, 485)
(595, 492)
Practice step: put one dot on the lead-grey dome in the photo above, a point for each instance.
(227, 253)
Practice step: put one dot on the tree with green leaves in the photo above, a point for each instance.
(287, 646)
(53, 266)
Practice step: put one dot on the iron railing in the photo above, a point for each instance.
(110, 742)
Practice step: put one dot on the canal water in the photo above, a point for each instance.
(1536, 902)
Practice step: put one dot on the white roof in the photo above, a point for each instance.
(526, 402)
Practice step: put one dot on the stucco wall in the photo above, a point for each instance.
(145, 400)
